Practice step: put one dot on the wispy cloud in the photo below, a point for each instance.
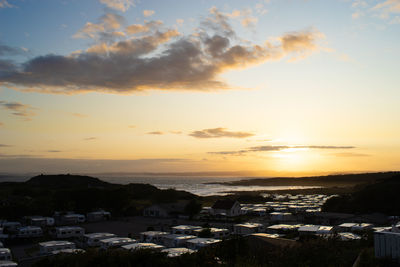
(148, 13)
(5, 4)
(54, 151)
(18, 109)
(218, 133)
(387, 10)
(156, 133)
(349, 154)
(6, 50)
(277, 148)
(79, 115)
(195, 61)
(120, 5)
(90, 138)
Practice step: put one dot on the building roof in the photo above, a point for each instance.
(176, 252)
(224, 204)
(8, 263)
(56, 243)
(5, 251)
(142, 246)
(99, 235)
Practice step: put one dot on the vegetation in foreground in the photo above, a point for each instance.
(382, 197)
(235, 252)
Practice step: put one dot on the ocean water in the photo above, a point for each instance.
(202, 186)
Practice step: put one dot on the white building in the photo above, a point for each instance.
(30, 231)
(40, 221)
(176, 252)
(73, 218)
(5, 254)
(116, 242)
(11, 226)
(184, 229)
(315, 230)
(347, 236)
(387, 244)
(281, 216)
(68, 251)
(176, 240)
(97, 216)
(198, 243)
(152, 236)
(354, 227)
(226, 207)
(69, 231)
(136, 246)
(215, 232)
(247, 228)
(282, 228)
(8, 264)
(50, 246)
(93, 239)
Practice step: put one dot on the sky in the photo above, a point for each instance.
(259, 87)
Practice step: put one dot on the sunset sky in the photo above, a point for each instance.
(273, 87)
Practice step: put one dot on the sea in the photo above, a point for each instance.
(198, 185)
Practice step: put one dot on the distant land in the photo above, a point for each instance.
(337, 180)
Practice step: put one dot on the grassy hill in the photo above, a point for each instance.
(339, 180)
(44, 194)
(382, 197)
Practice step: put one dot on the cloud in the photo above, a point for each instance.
(6, 50)
(143, 28)
(54, 151)
(346, 154)
(120, 5)
(79, 115)
(276, 148)
(3, 145)
(218, 133)
(90, 138)
(180, 21)
(383, 9)
(1, 124)
(156, 133)
(105, 30)
(148, 13)
(176, 132)
(18, 109)
(5, 4)
(158, 58)
(132, 126)
(41, 164)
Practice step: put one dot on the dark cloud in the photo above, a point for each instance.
(156, 133)
(6, 50)
(54, 151)
(218, 133)
(40, 164)
(18, 109)
(155, 59)
(276, 148)
(4, 145)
